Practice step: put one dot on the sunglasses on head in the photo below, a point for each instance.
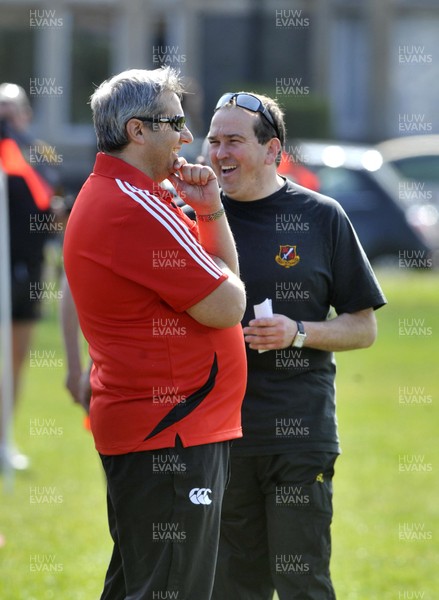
(249, 102)
(178, 122)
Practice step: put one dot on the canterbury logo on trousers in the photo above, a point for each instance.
(200, 496)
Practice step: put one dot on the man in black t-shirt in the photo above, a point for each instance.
(298, 249)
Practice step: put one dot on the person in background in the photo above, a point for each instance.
(159, 302)
(297, 250)
(30, 191)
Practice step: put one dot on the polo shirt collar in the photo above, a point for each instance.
(116, 168)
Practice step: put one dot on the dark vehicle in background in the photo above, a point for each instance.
(416, 160)
(368, 190)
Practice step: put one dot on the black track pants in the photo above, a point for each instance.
(164, 517)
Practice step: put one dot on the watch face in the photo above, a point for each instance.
(299, 340)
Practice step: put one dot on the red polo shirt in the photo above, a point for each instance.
(134, 266)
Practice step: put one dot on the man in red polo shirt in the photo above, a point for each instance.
(159, 301)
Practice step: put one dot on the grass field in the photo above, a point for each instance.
(385, 531)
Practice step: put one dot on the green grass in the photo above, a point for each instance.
(63, 528)
(372, 497)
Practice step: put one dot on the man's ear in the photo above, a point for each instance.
(135, 131)
(273, 149)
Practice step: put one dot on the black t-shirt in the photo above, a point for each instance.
(299, 249)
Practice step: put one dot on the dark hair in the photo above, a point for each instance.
(263, 129)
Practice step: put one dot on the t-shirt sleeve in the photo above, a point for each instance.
(354, 285)
(158, 248)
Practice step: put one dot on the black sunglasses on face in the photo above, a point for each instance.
(178, 123)
(249, 102)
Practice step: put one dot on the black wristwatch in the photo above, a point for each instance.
(300, 336)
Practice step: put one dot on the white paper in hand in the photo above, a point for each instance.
(262, 311)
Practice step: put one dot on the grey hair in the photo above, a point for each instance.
(133, 93)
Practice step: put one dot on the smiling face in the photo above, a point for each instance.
(246, 169)
(162, 143)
